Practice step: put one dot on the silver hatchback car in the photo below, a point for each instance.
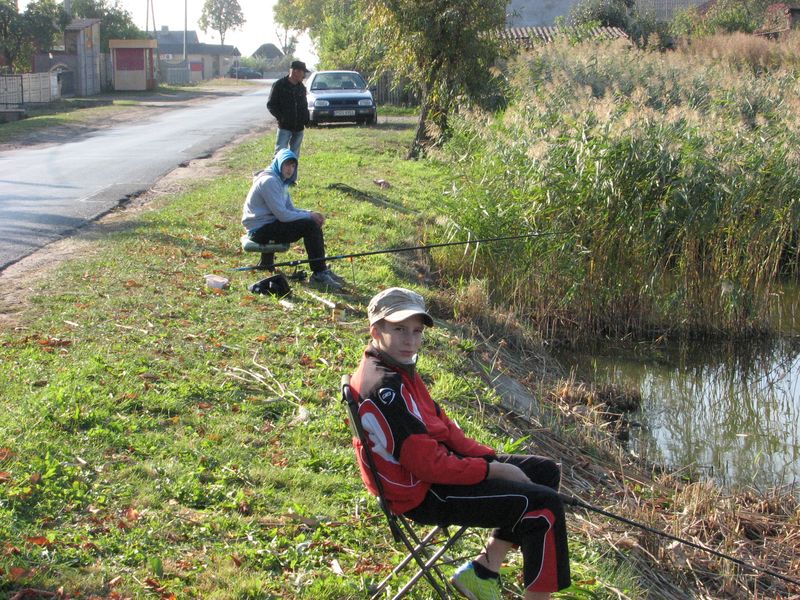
(340, 96)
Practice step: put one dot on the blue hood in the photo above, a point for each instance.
(281, 157)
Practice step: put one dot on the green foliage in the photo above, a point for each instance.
(221, 16)
(117, 22)
(443, 49)
(608, 13)
(11, 31)
(639, 23)
(302, 15)
(665, 187)
(345, 43)
(723, 16)
(685, 22)
(338, 29)
(44, 20)
(34, 30)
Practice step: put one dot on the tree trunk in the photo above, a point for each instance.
(419, 137)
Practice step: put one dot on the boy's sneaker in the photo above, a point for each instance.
(466, 581)
(326, 279)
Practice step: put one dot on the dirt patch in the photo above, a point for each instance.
(18, 282)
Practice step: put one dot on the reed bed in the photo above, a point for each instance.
(666, 187)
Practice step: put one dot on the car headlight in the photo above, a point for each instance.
(365, 102)
(321, 103)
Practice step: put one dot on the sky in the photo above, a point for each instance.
(258, 29)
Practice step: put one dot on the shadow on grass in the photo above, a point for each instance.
(384, 123)
(373, 198)
(23, 592)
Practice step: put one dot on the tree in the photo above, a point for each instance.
(608, 13)
(287, 39)
(117, 23)
(221, 16)
(723, 16)
(35, 29)
(44, 19)
(445, 48)
(337, 29)
(303, 15)
(11, 31)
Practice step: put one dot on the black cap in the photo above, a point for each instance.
(300, 65)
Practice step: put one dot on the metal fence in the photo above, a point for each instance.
(10, 91)
(394, 91)
(28, 88)
(177, 74)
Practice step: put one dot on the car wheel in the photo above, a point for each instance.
(372, 120)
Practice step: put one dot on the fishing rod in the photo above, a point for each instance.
(575, 501)
(294, 263)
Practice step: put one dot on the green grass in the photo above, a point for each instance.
(158, 438)
(390, 110)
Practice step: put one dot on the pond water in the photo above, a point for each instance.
(730, 410)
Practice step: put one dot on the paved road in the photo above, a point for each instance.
(47, 193)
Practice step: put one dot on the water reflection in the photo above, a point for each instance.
(730, 409)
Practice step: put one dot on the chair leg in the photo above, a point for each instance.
(413, 550)
(267, 260)
(432, 565)
(422, 546)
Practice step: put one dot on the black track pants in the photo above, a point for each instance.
(529, 515)
(291, 231)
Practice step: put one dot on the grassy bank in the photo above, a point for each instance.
(666, 185)
(161, 439)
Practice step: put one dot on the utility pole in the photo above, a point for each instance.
(185, 25)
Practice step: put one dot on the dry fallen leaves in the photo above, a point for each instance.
(39, 540)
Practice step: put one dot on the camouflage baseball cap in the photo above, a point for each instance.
(397, 304)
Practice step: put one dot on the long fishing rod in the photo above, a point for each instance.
(294, 263)
(575, 501)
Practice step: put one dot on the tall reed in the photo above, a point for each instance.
(668, 185)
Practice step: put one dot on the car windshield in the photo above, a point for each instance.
(338, 81)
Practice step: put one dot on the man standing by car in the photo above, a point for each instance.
(287, 103)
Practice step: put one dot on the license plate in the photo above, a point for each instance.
(344, 113)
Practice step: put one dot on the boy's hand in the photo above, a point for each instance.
(318, 218)
(501, 470)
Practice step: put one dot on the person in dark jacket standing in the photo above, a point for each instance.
(287, 103)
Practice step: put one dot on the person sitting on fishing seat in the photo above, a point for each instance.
(269, 216)
(434, 474)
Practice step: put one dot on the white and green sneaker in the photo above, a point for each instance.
(473, 587)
